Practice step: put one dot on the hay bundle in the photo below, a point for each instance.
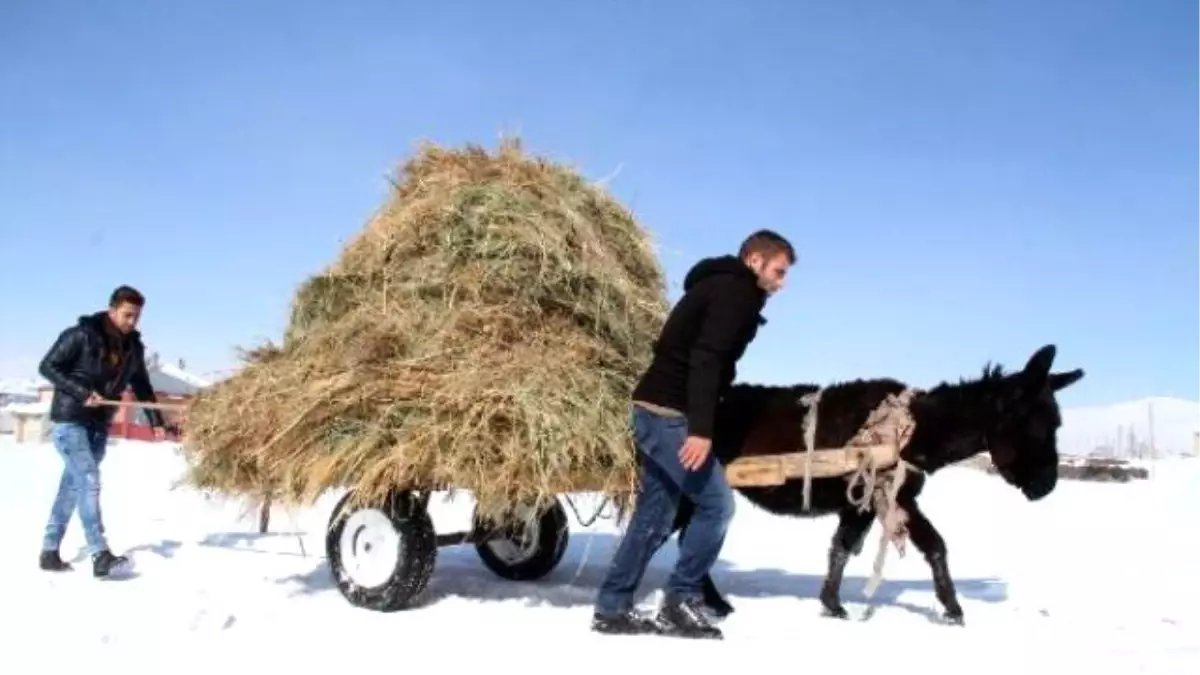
(483, 332)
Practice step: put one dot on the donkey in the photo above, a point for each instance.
(1014, 417)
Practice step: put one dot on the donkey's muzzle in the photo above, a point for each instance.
(1042, 483)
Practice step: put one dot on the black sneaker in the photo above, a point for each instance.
(627, 623)
(51, 561)
(685, 618)
(105, 564)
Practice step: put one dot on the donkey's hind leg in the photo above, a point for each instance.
(931, 545)
(847, 540)
(712, 597)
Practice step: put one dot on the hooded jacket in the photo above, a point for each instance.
(702, 340)
(92, 356)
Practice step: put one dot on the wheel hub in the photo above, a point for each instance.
(370, 548)
(518, 542)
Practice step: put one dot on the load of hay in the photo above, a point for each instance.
(483, 332)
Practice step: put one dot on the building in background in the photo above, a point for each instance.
(18, 405)
(27, 422)
(172, 385)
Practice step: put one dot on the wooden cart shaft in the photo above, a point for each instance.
(772, 470)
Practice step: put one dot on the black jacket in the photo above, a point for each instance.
(76, 365)
(706, 333)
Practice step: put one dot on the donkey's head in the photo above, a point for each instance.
(1014, 416)
(1023, 436)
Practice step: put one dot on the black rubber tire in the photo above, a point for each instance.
(549, 546)
(415, 557)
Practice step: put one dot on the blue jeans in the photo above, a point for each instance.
(663, 481)
(82, 449)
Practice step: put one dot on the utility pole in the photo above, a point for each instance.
(1150, 415)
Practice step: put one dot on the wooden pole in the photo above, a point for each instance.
(140, 404)
(773, 470)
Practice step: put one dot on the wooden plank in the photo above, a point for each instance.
(772, 470)
(139, 404)
(756, 472)
(840, 462)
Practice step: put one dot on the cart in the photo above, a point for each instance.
(382, 556)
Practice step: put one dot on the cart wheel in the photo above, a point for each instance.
(525, 553)
(381, 558)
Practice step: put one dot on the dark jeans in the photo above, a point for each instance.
(663, 481)
(82, 449)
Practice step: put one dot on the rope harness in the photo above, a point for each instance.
(891, 423)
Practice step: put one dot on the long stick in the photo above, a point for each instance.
(140, 404)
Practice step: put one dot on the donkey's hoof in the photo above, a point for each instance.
(835, 612)
(954, 618)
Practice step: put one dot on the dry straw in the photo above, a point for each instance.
(483, 332)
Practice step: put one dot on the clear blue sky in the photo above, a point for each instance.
(964, 181)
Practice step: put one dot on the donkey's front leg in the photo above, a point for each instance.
(847, 541)
(931, 545)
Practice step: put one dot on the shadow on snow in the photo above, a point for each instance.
(458, 572)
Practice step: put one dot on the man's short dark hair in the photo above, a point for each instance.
(768, 244)
(125, 294)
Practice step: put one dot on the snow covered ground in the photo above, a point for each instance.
(1097, 578)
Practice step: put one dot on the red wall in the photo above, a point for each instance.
(128, 422)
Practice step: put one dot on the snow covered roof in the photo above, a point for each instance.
(183, 375)
(174, 386)
(33, 408)
(173, 380)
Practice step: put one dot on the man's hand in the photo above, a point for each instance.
(93, 400)
(694, 451)
(160, 434)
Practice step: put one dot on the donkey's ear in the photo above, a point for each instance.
(1059, 381)
(1038, 367)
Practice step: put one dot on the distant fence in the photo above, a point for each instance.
(1118, 444)
(1134, 431)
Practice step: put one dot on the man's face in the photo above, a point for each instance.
(125, 316)
(770, 271)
